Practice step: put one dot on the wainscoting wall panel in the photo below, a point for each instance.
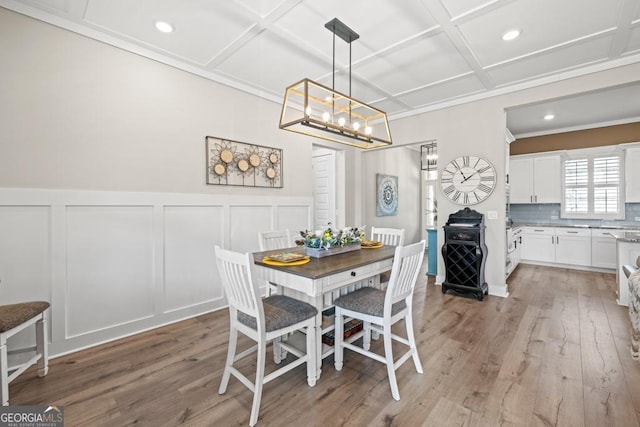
(190, 235)
(113, 264)
(294, 218)
(25, 261)
(109, 267)
(243, 221)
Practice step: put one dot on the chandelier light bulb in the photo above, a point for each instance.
(341, 121)
(368, 130)
(308, 110)
(356, 126)
(326, 116)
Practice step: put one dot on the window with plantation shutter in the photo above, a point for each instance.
(606, 185)
(576, 186)
(593, 186)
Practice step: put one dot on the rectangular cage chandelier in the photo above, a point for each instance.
(313, 109)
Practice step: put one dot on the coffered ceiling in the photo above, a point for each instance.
(412, 55)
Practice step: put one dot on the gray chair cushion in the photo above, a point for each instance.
(13, 315)
(279, 312)
(368, 301)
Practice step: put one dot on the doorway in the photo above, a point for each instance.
(324, 188)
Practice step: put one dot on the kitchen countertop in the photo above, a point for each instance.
(598, 227)
(628, 236)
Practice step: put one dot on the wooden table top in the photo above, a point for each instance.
(317, 268)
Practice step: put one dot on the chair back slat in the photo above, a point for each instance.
(269, 240)
(404, 272)
(388, 236)
(236, 274)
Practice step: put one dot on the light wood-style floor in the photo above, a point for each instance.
(555, 353)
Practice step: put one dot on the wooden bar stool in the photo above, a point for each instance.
(13, 319)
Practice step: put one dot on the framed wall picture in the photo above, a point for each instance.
(238, 163)
(386, 195)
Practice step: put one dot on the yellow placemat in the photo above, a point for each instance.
(285, 264)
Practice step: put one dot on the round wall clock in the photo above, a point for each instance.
(468, 180)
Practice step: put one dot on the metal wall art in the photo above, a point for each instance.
(237, 163)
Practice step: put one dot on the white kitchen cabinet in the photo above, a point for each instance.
(539, 244)
(573, 246)
(558, 245)
(603, 249)
(632, 175)
(535, 179)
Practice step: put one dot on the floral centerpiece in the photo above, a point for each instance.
(332, 241)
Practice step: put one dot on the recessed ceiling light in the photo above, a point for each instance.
(549, 117)
(510, 35)
(164, 27)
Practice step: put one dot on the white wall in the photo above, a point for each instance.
(478, 128)
(76, 113)
(104, 210)
(405, 164)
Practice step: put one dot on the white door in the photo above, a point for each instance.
(324, 188)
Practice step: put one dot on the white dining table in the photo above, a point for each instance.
(321, 276)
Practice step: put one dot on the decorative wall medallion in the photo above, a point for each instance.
(254, 159)
(243, 165)
(219, 169)
(386, 195)
(226, 156)
(237, 163)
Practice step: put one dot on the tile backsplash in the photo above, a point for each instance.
(550, 214)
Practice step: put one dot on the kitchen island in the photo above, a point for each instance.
(627, 251)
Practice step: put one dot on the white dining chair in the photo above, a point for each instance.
(13, 319)
(379, 310)
(262, 320)
(279, 239)
(388, 236)
(269, 240)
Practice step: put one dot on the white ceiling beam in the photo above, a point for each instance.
(621, 38)
(441, 15)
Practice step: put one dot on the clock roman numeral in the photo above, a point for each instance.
(456, 196)
(448, 190)
(455, 164)
(466, 199)
(448, 171)
(447, 180)
(465, 160)
(484, 188)
(487, 178)
(484, 169)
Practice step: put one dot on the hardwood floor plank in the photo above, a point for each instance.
(559, 399)
(554, 353)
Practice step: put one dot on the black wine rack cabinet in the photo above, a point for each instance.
(465, 252)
